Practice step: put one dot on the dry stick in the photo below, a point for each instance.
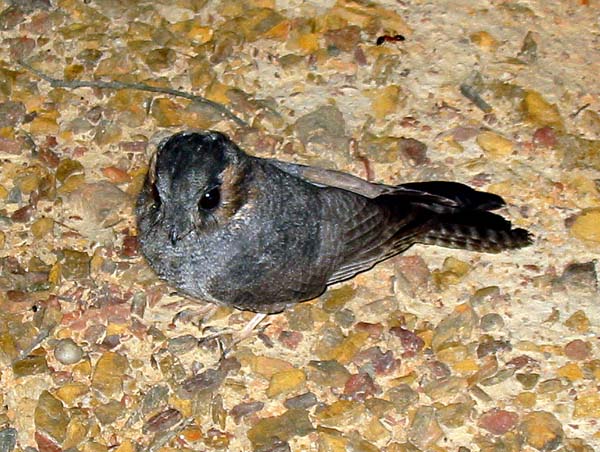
(74, 84)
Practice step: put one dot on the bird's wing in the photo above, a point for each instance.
(441, 193)
(363, 232)
(322, 177)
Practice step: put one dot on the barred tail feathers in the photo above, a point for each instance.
(461, 217)
(475, 230)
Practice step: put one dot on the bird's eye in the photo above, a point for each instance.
(210, 200)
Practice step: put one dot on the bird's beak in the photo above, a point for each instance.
(179, 231)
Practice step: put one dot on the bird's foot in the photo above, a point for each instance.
(227, 338)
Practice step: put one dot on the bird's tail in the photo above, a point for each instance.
(476, 231)
(463, 219)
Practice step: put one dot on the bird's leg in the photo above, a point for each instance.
(237, 336)
(249, 328)
(205, 311)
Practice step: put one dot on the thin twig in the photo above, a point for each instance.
(471, 93)
(116, 85)
(579, 110)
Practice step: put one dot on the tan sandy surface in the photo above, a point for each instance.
(435, 350)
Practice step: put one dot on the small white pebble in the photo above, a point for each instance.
(67, 351)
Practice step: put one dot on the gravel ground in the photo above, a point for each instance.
(434, 350)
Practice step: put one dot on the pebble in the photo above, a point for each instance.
(541, 430)
(495, 146)
(14, 196)
(571, 372)
(286, 382)
(266, 431)
(424, 430)
(116, 175)
(28, 183)
(109, 373)
(498, 377)
(409, 340)
(498, 421)
(529, 380)
(587, 406)
(167, 113)
(539, 111)
(336, 299)
(344, 39)
(41, 227)
(305, 42)
(71, 184)
(324, 130)
(590, 121)
(70, 392)
(373, 360)
(545, 136)
(411, 274)
(23, 215)
(44, 124)
(254, 23)
(67, 351)
(360, 387)
(267, 366)
(385, 101)
(373, 329)
(154, 398)
(109, 412)
(341, 412)
(445, 389)
(302, 401)
(586, 225)
(488, 345)
(402, 396)
(132, 108)
(329, 373)
(11, 113)
(101, 204)
(9, 146)
(452, 272)
(31, 365)
(66, 168)
(529, 48)
(578, 321)
(162, 421)
(160, 59)
(454, 415)
(582, 153)
(76, 264)
(484, 40)
(579, 276)
(330, 340)
(578, 350)
(413, 152)
(51, 416)
(290, 339)
(329, 442)
(276, 446)
(457, 326)
(526, 399)
(491, 322)
(244, 409)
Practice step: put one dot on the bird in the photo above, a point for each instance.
(262, 235)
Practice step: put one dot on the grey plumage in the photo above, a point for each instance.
(262, 235)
